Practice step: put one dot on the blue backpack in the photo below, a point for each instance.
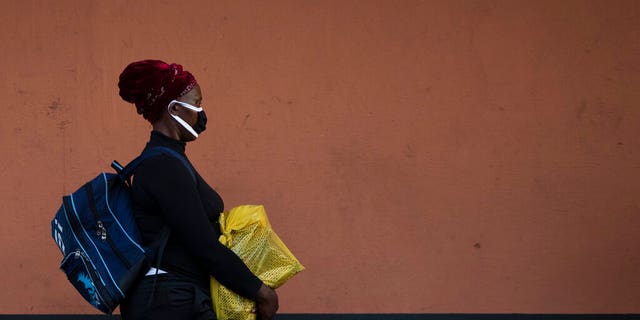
(96, 231)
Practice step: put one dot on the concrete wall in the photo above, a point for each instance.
(417, 156)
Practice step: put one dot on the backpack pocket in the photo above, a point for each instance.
(85, 279)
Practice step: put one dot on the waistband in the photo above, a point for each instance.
(153, 271)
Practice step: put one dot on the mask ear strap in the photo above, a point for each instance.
(180, 121)
(186, 105)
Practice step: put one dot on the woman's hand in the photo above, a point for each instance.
(266, 303)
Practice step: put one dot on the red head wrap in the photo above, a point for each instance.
(152, 84)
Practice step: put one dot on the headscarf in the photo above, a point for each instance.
(152, 84)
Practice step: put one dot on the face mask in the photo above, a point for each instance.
(201, 123)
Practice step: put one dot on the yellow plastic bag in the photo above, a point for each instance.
(247, 232)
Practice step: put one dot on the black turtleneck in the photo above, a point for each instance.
(164, 193)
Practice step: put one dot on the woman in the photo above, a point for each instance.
(165, 194)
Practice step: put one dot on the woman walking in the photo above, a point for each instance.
(167, 195)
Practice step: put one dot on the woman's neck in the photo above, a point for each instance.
(169, 131)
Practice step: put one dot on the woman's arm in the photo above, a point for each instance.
(171, 185)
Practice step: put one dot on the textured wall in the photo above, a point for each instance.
(417, 156)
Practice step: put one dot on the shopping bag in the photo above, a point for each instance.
(247, 232)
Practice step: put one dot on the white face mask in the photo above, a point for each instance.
(180, 121)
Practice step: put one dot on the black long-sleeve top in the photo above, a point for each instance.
(165, 193)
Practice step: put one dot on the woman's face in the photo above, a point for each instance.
(193, 97)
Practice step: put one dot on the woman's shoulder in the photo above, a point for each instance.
(163, 166)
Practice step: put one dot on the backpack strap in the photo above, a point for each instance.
(164, 238)
(126, 172)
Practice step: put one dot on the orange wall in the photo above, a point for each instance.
(417, 156)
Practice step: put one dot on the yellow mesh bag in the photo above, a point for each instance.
(247, 232)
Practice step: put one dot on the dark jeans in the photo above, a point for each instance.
(174, 298)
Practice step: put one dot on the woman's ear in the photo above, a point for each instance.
(173, 109)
